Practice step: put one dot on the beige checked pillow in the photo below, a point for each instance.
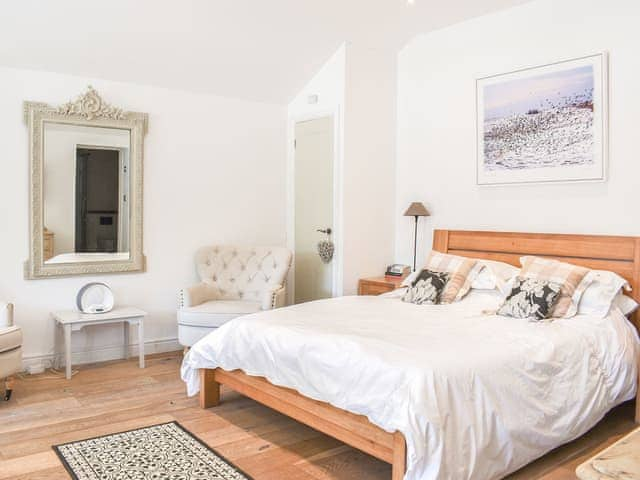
(461, 272)
(572, 278)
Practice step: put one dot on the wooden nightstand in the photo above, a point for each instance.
(378, 285)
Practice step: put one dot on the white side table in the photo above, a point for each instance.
(72, 321)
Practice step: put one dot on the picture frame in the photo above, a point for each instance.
(544, 124)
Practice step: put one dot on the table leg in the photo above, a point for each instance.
(141, 342)
(67, 350)
(127, 331)
(57, 353)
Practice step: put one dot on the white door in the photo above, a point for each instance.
(313, 207)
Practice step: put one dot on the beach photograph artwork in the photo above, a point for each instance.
(542, 124)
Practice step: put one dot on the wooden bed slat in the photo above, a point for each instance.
(559, 245)
(354, 430)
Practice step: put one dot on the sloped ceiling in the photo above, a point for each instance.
(262, 50)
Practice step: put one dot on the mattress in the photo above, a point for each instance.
(476, 395)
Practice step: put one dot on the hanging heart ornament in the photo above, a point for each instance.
(325, 250)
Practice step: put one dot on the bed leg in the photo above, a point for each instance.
(209, 389)
(638, 405)
(399, 466)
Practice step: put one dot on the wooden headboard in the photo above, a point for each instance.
(603, 252)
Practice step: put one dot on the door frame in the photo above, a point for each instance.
(337, 270)
(123, 159)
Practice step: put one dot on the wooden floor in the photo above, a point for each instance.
(117, 396)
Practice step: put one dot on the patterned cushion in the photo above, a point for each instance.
(572, 279)
(461, 270)
(530, 298)
(426, 288)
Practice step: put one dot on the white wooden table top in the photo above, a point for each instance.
(621, 461)
(74, 316)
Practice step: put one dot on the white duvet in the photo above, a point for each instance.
(476, 396)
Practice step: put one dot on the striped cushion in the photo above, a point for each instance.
(461, 270)
(572, 278)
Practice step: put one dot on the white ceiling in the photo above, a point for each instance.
(262, 50)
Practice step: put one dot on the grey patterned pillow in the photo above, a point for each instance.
(531, 298)
(427, 287)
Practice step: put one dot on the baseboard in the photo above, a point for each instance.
(102, 354)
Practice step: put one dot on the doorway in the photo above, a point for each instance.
(97, 200)
(313, 206)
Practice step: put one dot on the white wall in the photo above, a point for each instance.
(368, 170)
(436, 150)
(214, 172)
(328, 84)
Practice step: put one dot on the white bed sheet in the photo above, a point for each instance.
(477, 396)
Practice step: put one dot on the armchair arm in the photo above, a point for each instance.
(6, 314)
(274, 298)
(197, 294)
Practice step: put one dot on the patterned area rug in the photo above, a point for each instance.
(160, 452)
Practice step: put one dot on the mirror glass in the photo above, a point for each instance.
(86, 193)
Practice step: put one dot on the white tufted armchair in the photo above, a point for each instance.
(234, 281)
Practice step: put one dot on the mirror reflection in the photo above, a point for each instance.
(86, 193)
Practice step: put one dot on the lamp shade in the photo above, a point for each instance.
(417, 209)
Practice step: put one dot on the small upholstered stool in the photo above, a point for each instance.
(621, 461)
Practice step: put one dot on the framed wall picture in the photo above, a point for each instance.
(544, 124)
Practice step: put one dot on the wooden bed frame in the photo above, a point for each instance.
(614, 253)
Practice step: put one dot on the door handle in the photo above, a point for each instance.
(326, 230)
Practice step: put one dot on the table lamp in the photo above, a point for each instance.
(416, 209)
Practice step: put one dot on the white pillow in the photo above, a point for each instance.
(485, 280)
(495, 275)
(627, 305)
(492, 275)
(599, 296)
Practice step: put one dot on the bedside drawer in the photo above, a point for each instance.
(377, 286)
(369, 289)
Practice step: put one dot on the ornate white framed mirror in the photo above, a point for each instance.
(85, 161)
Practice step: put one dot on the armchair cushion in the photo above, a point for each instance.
(215, 313)
(10, 363)
(10, 338)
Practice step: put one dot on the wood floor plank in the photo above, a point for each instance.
(55, 473)
(42, 444)
(28, 464)
(116, 396)
(346, 465)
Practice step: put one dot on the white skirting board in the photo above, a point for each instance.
(114, 352)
